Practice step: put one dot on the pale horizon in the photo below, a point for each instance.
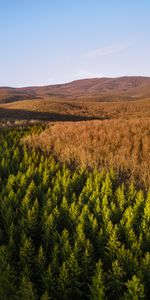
(67, 82)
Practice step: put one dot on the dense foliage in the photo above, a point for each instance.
(68, 234)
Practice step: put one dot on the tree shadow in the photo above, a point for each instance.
(19, 114)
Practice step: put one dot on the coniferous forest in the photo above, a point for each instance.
(68, 233)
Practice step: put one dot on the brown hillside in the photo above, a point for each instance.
(102, 89)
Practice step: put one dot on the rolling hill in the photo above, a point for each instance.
(86, 99)
(124, 87)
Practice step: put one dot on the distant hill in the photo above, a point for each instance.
(100, 86)
(102, 89)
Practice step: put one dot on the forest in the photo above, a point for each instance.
(68, 233)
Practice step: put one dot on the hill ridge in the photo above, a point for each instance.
(125, 87)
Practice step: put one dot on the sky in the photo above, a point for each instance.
(46, 42)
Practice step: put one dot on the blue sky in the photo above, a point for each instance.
(54, 41)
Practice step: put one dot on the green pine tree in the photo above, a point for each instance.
(97, 287)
